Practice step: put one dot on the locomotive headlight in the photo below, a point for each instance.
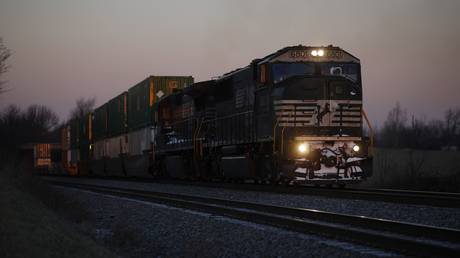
(314, 53)
(320, 52)
(303, 148)
(356, 148)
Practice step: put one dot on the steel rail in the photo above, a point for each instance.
(400, 191)
(414, 239)
(429, 198)
(437, 199)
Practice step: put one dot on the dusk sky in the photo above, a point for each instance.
(66, 49)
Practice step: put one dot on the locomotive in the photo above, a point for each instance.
(295, 115)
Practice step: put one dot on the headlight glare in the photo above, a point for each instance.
(302, 148)
(356, 148)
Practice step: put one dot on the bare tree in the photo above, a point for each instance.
(35, 124)
(41, 118)
(5, 53)
(10, 115)
(82, 108)
(452, 126)
(395, 127)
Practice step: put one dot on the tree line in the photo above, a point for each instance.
(34, 124)
(401, 131)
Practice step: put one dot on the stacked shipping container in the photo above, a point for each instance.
(65, 147)
(84, 143)
(116, 141)
(144, 95)
(99, 131)
(74, 157)
(142, 103)
(118, 136)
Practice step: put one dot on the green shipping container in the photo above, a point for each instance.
(99, 124)
(117, 115)
(143, 96)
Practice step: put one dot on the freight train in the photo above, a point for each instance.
(295, 115)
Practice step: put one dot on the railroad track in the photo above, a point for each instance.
(407, 238)
(437, 199)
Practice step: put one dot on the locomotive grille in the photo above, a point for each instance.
(303, 113)
(347, 114)
(292, 113)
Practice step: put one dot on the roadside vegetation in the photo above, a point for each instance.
(417, 153)
(37, 221)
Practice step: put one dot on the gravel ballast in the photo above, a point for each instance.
(428, 215)
(143, 229)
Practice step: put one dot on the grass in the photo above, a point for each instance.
(422, 170)
(35, 221)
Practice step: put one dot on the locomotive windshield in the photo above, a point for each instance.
(317, 88)
(282, 71)
(349, 70)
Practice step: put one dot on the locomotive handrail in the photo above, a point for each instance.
(200, 147)
(234, 115)
(371, 131)
(284, 127)
(274, 133)
(228, 119)
(217, 118)
(282, 140)
(195, 135)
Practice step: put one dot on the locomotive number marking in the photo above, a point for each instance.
(300, 54)
(332, 54)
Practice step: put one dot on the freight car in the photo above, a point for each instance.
(115, 138)
(294, 115)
